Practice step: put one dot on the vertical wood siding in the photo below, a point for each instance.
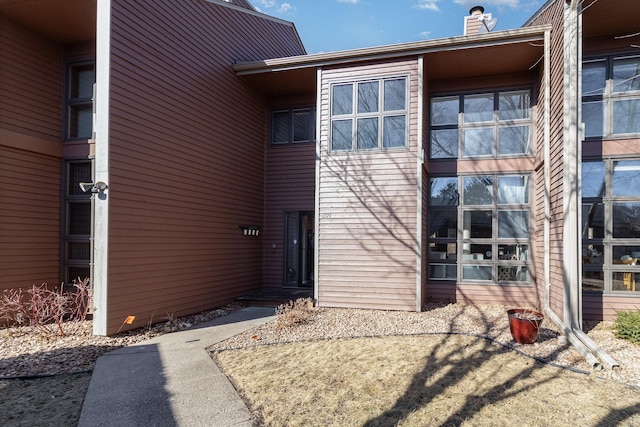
(289, 186)
(554, 15)
(30, 149)
(186, 156)
(367, 238)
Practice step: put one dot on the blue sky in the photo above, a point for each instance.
(330, 25)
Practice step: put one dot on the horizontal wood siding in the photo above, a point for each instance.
(30, 150)
(186, 156)
(554, 15)
(31, 76)
(367, 239)
(605, 307)
(289, 186)
(29, 218)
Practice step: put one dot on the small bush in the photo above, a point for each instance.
(627, 326)
(51, 310)
(294, 313)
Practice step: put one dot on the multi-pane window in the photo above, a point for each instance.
(77, 222)
(611, 96)
(611, 226)
(293, 126)
(479, 229)
(369, 115)
(81, 77)
(489, 125)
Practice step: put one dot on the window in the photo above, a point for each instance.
(479, 229)
(77, 222)
(611, 226)
(293, 126)
(79, 104)
(490, 125)
(369, 115)
(611, 96)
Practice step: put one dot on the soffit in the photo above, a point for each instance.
(64, 21)
(459, 57)
(610, 18)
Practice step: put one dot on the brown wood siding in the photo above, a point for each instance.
(30, 151)
(598, 307)
(554, 15)
(290, 181)
(186, 156)
(367, 238)
(29, 218)
(31, 76)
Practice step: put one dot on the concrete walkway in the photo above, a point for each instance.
(170, 380)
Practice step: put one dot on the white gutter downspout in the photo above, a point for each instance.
(316, 225)
(420, 161)
(572, 154)
(100, 201)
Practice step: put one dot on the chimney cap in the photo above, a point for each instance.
(476, 10)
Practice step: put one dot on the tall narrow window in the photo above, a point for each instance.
(77, 222)
(79, 104)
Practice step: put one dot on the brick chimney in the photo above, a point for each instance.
(471, 22)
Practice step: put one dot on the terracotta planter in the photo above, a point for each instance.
(524, 325)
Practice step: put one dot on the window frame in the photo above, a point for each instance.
(75, 197)
(291, 112)
(461, 127)
(604, 246)
(381, 116)
(516, 251)
(77, 102)
(608, 97)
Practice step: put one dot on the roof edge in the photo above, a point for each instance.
(259, 15)
(534, 33)
(539, 12)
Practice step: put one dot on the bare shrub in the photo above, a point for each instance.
(54, 311)
(294, 313)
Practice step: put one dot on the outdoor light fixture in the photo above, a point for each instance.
(94, 188)
(250, 230)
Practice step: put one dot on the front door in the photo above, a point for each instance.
(298, 259)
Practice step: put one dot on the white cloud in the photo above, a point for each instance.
(428, 5)
(349, 1)
(264, 3)
(282, 9)
(425, 34)
(285, 8)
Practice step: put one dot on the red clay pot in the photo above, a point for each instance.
(524, 325)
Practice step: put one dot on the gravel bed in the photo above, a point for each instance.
(487, 320)
(34, 352)
(28, 352)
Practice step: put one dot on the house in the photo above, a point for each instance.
(225, 160)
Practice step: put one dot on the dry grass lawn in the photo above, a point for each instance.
(423, 380)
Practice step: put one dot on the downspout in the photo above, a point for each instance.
(419, 163)
(100, 201)
(316, 225)
(572, 154)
